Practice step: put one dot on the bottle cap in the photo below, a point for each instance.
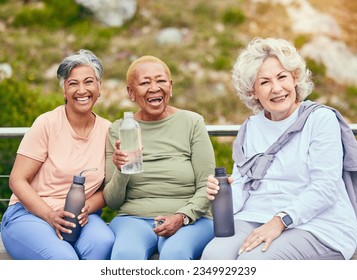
(220, 172)
(79, 179)
(128, 114)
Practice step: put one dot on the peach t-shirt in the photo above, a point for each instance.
(52, 140)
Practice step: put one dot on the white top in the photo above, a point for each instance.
(304, 180)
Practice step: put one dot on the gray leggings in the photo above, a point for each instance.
(292, 244)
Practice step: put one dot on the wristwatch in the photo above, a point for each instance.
(285, 219)
(185, 219)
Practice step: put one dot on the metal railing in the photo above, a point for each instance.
(18, 132)
(213, 130)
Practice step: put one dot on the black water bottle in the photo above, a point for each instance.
(223, 220)
(75, 201)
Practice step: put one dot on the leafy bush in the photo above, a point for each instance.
(53, 15)
(318, 69)
(301, 40)
(234, 16)
(19, 107)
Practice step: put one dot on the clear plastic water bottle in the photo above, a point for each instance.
(223, 220)
(130, 143)
(75, 201)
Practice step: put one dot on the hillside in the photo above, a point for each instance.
(36, 35)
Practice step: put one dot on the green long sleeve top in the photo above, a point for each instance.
(178, 157)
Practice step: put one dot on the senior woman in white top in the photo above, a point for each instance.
(300, 209)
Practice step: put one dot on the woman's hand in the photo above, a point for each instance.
(83, 217)
(119, 157)
(57, 221)
(263, 234)
(212, 186)
(170, 226)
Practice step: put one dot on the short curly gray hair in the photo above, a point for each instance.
(82, 57)
(251, 58)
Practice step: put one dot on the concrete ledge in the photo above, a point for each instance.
(5, 256)
(354, 257)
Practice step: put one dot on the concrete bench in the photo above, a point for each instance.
(5, 256)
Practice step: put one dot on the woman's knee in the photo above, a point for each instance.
(177, 253)
(126, 249)
(131, 254)
(220, 249)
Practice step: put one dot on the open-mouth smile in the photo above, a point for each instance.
(155, 100)
(280, 98)
(83, 100)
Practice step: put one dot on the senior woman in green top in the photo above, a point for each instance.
(178, 157)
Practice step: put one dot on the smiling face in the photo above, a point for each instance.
(151, 87)
(275, 89)
(81, 89)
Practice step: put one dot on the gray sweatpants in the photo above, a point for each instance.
(292, 244)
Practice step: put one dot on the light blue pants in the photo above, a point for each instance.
(292, 244)
(28, 237)
(136, 240)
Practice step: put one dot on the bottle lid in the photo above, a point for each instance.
(220, 172)
(79, 179)
(128, 114)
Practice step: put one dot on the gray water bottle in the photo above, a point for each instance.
(75, 201)
(223, 220)
(130, 143)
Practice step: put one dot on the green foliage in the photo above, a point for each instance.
(223, 153)
(318, 69)
(53, 15)
(222, 62)
(351, 92)
(94, 39)
(19, 107)
(301, 40)
(225, 58)
(234, 16)
(314, 95)
(108, 214)
(318, 72)
(19, 104)
(204, 10)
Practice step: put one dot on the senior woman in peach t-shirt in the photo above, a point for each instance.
(60, 144)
